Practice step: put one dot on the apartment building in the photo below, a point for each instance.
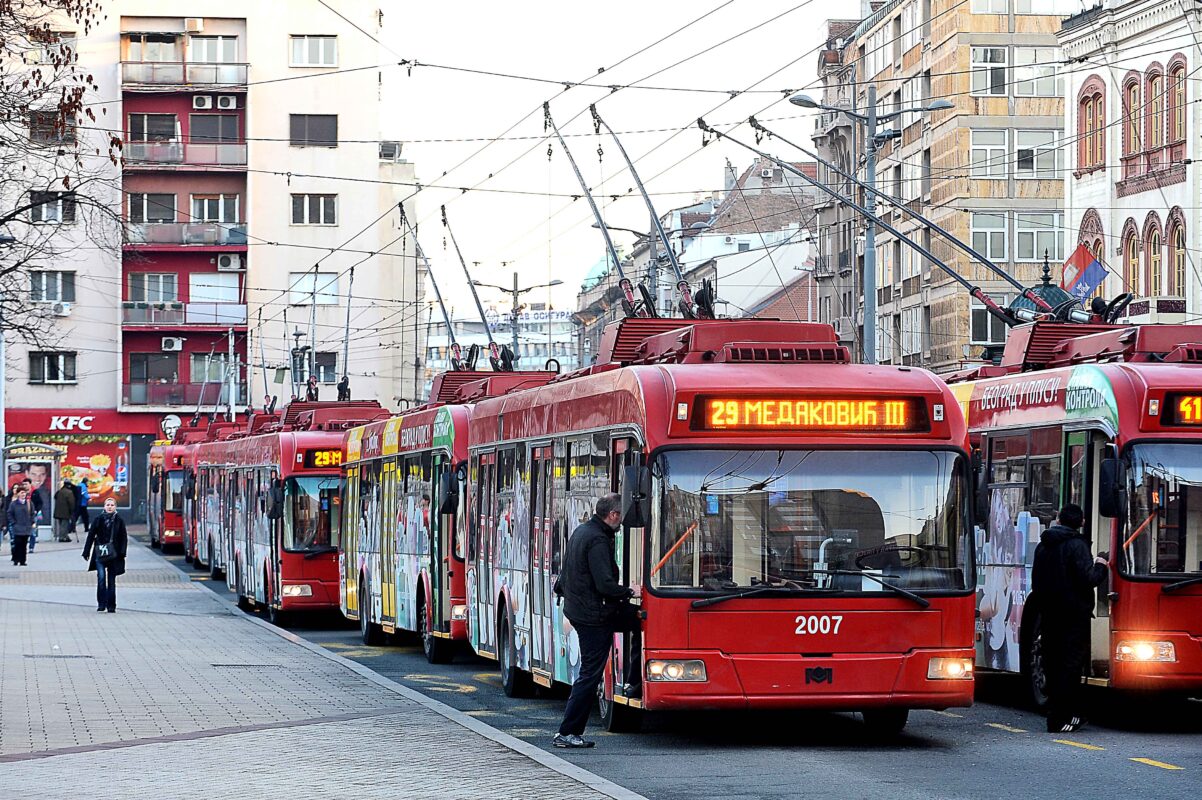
(259, 190)
(1132, 186)
(989, 170)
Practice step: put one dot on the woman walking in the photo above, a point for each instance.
(20, 520)
(105, 553)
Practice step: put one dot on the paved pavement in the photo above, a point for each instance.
(179, 695)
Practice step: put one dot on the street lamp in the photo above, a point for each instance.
(515, 293)
(6, 239)
(869, 120)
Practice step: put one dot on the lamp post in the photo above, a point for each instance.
(5, 240)
(515, 293)
(870, 120)
(653, 270)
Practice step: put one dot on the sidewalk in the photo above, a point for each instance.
(178, 695)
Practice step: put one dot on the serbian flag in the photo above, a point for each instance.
(1083, 273)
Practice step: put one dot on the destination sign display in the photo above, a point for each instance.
(1182, 409)
(322, 459)
(791, 413)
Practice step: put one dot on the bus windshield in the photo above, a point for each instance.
(810, 520)
(1164, 526)
(308, 510)
(173, 498)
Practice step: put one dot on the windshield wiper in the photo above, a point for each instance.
(1172, 587)
(320, 551)
(709, 601)
(906, 593)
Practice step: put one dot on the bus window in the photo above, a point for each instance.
(307, 512)
(1163, 535)
(175, 491)
(1043, 464)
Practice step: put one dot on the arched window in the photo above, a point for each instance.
(1131, 108)
(1154, 260)
(1087, 136)
(1091, 116)
(1177, 107)
(1155, 111)
(1177, 240)
(1099, 129)
(1131, 262)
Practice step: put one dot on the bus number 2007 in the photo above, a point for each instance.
(817, 624)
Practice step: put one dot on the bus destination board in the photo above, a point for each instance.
(322, 459)
(791, 413)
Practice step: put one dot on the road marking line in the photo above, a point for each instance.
(1160, 764)
(1007, 728)
(948, 714)
(1082, 745)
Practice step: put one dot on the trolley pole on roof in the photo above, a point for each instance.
(494, 352)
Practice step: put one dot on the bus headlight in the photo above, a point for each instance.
(950, 669)
(298, 590)
(1132, 650)
(676, 671)
(458, 612)
(170, 534)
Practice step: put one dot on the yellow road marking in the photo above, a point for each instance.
(1160, 764)
(482, 713)
(201, 578)
(948, 714)
(1007, 728)
(1082, 745)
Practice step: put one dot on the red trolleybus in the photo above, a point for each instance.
(1109, 417)
(165, 502)
(795, 528)
(402, 559)
(276, 492)
(205, 504)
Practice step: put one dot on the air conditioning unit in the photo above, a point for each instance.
(61, 309)
(729, 240)
(202, 101)
(194, 24)
(227, 102)
(766, 173)
(229, 262)
(390, 151)
(172, 344)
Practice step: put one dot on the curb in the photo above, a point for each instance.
(533, 752)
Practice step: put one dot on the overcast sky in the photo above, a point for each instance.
(544, 238)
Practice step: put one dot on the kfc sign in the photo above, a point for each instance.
(71, 423)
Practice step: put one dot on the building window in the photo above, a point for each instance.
(1037, 233)
(1091, 126)
(213, 49)
(1131, 264)
(56, 48)
(214, 208)
(1061, 8)
(153, 128)
(1177, 103)
(911, 26)
(911, 330)
(744, 247)
(313, 130)
(153, 47)
(1038, 155)
(154, 367)
(213, 127)
(1036, 72)
(151, 208)
(986, 328)
(208, 367)
(989, 154)
(1154, 262)
(326, 366)
(989, 235)
(989, 6)
(47, 126)
(214, 287)
(301, 288)
(1131, 110)
(47, 286)
(1155, 111)
(45, 367)
(1177, 238)
(153, 287)
(314, 51)
(989, 70)
(52, 206)
(314, 209)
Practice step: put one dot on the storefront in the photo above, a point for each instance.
(107, 449)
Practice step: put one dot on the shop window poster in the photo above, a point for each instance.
(102, 460)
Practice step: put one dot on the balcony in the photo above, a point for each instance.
(166, 315)
(179, 394)
(195, 154)
(179, 73)
(213, 234)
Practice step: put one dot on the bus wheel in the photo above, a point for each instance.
(1031, 659)
(615, 717)
(154, 542)
(276, 616)
(372, 635)
(214, 570)
(244, 602)
(437, 649)
(515, 682)
(885, 723)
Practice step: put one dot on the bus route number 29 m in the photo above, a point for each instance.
(817, 623)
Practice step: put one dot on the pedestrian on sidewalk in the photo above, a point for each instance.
(83, 497)
(64, 511)
(107, 531)
(7, 529)
(36, 504)
(592, 602)
(1063, 577)
(21, 518)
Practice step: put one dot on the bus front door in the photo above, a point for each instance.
(542, 599)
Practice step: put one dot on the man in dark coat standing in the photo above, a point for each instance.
(64, 511)
(592, 603)
(1064, 576)
(107, 528)
(20, 522)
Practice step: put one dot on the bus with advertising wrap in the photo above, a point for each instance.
(1108, 417)
(271, 493)
(165, 501)
(795, 527)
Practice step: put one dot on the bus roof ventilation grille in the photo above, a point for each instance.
(1185, 354)
(785, 353)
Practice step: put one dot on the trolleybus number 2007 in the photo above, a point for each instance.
(812, 623)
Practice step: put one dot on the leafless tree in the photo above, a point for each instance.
(59, 166)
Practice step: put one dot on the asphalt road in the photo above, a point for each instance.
(995, 749)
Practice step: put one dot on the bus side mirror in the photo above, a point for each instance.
(636, 495)
(275, 507)
(448, 491)
(1110, 487)
(190, 486)
(980, 490)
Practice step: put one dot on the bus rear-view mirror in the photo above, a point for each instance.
(448, 492)
(636, 495)
(1110, 488)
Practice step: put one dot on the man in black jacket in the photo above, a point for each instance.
(1064, 576)
(592, 603)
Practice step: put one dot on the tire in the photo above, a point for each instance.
(885, 723)
(436, 649)
(514, 682)
(371, 634)
(615, 717)
(214, 571)
(244, 602)
(1035, 679)
(276, 616)
(154, 543)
